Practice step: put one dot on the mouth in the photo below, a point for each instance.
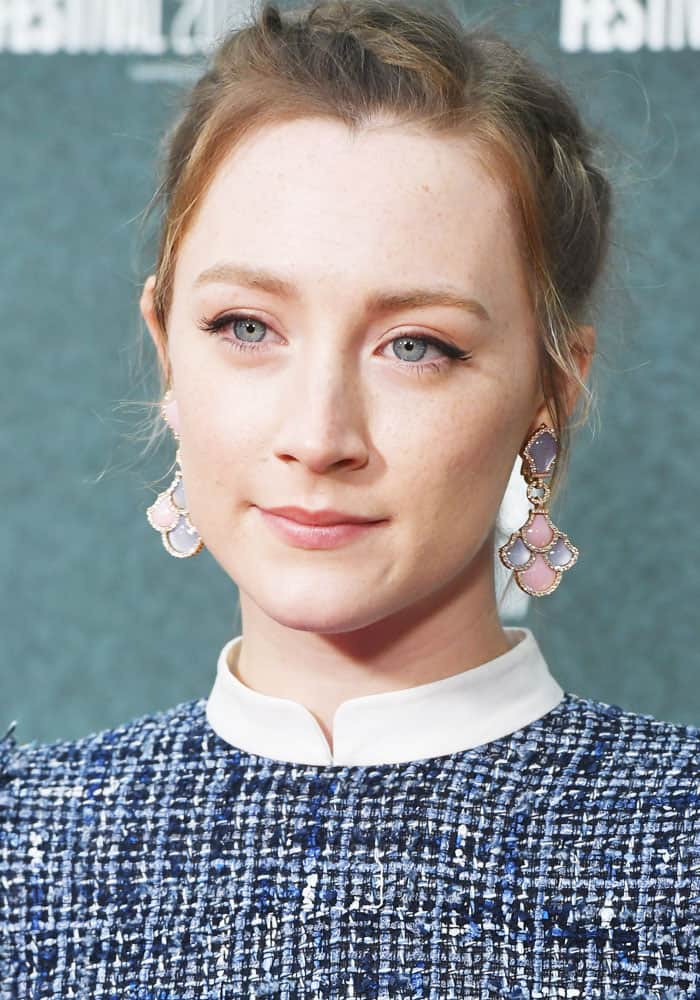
(301, 534)
(319, 518)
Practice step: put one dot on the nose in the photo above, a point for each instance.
(323, 419)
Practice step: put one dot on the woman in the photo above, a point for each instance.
(381, 240)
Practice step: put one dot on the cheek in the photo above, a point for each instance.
(218, 413)
(469, 450)
(220, 443)
(449, 488)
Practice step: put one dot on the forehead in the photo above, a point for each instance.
(389, 202)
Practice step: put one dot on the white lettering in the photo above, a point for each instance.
(183, 26)
(572, 20)
(27, 26)
(656, 24)
(676, 24)
(92, 25)
(72, 26)
(84, 25)
(6, 21)
(586, 18)
(198, 23)
(8, 24)
(694, 19)
(600, 37)
(628, 25)
(48, 26)
(684, 24)
(628, 30)
(48, 19)
(116, 27)
(137, 26)
(152, 23)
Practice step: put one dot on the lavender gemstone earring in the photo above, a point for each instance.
(538, 553)
(169, 514)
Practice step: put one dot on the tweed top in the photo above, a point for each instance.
(157, 861)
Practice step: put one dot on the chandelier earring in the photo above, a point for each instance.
(169, 514)
(538, 552)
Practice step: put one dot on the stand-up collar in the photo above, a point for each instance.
(466, 710)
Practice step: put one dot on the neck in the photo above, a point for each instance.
(453, 630)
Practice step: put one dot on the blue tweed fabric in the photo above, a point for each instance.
(155, 861)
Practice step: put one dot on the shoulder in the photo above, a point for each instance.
(625, 729)
(624, 753)
(38, 777)
(603, 778)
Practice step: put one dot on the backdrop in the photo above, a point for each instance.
(99, 624)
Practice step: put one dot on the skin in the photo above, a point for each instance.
(327, 411)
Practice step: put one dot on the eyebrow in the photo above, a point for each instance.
(377, 301)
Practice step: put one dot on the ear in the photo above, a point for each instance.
(584, 356)
(158, 337)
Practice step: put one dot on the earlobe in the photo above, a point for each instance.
(147, 307)
(543, 415)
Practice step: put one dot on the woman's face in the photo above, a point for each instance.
(335, 400)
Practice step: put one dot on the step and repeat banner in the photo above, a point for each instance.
(99, 624)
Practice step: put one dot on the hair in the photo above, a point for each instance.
(359, 61)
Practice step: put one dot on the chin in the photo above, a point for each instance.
(319, 612)
(321, 623)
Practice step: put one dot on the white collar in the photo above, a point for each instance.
(455, 713)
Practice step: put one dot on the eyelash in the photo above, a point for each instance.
(214, 326)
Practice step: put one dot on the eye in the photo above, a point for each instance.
(416, 346)
(243, 325)
(249, 334)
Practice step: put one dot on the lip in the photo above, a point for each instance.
(316, 536)
(318, 517)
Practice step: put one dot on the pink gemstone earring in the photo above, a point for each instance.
(169, 514)
(538, 553)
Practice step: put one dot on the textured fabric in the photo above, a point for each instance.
(427, 720)
(155, 861)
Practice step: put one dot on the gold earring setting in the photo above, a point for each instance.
(169, 514)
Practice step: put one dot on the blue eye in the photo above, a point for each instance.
(412, 343)
(215, 326)
(246, 323)
(416, 348)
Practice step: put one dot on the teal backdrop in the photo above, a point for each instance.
(98, 623)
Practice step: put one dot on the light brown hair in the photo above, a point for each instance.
(356, 61)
